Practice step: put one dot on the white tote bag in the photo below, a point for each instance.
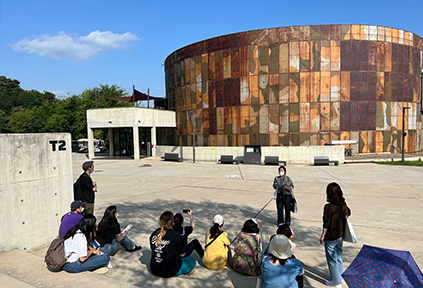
(349, 234)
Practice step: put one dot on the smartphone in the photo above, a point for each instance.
(126, 229)
(185, 210)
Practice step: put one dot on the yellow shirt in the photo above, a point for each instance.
(216, 255)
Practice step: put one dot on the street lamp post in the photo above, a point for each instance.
(403, 131)
(193, 137)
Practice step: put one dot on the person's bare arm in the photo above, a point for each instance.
(191, 220)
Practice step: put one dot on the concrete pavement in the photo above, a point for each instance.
(386, 204)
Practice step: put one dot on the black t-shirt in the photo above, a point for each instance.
(86, 184)
(165, 259)
(107, 236)
(184, 235)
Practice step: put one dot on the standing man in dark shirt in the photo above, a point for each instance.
(284, 187)
(87, 186)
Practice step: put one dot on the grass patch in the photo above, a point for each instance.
(405, 163)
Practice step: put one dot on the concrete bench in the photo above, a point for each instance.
(324, 160)
(226, 159)
(273, 160)
(171, 157)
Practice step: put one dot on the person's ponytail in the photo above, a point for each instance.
(215, 230)
(160, 236)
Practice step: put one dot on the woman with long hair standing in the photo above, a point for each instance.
(217, 253)
(79, 250)
(110, 236)
(334, 214)
(168, 250)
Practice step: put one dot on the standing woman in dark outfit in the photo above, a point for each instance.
(284, 194)
(334, 214)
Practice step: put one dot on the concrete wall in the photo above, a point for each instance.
(35, 188)
(291, 154)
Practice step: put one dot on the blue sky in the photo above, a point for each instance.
(68, 46)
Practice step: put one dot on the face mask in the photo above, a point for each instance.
(282, 173)
(82, 210)
(117, 215)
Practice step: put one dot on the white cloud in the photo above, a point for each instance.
(80, 48)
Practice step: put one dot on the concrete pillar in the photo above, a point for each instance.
(90, 143)
(136, 137)
(111, 143)
(153, 140)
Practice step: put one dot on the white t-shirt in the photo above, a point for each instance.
(76, 247)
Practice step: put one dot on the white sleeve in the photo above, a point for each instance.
(81, 245)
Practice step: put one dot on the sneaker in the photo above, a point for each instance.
(136, 248)
(110, 266)
(102, 270)
(330, 284)
(190, 272)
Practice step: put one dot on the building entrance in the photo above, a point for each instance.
(145, 139)
(122, 139)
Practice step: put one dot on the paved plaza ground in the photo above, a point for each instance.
(386, 203)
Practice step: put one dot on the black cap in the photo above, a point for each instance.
(76, 204)
(87, 165)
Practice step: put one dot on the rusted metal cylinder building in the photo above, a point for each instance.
(301, 85)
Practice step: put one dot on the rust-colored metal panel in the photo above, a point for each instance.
(373, 56)
(273, 139)
(395, 35)
(325, 55)
(355, 32)
(388, 85)
(226, 63)
(283, 34)
(335, 136)
(198, 76)
(219, 64)
(212, 94)
(335, 116)
(254, 124)
(283, 88)
(294, 57)
(304, 139)
(380, 57)
(236, 120)
(214, 44)
(372, 33)
(273, 58)
(244, 61)
(325, 31)
(304, 87)
(263, 59)
(206, 121)
(363, 142)
(264, 119)
(254, 90)
(264, 140)
(315, 33)
(294, 115)
(406, 38)
(193, 96)
(245, 139)
(294, 87)
(335, 55)
(335, 86)
(355, 116)
(283, 58)
(205, 94)
(227, 89)
(304, 117)
(314, 117)
(344, 124)
(219, 93)
(364, 55)
(199, 121)
(363, 84)
(324, 116)
(381, 33)
(187, 71)
(380, 86)
(304, 56)
(273, 35)
(220, 140)
(396, 87)
(304, 33)
(325, 86)
(372, 86)
(345, 32)
(235, 91)
(253, 63)
(273, 88)
(324, 138)
(396, 61)
(255, 36)
(228, 120)
(235, 62)
(274, 118)
(335, 32)
(345, 86)
(371, 141)
(379, 142)
(315, 87)
(294, 33)
(263, 89)
(245, 119)
(364, 32)
(283, 139)
(245, 91)
(315, 51)
(388, 57)
(198, 96)
(294, 139)
(283, 118)
(314, 139)
(192, 70)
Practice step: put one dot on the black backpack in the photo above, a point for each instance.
(77, 191)
(55, 255)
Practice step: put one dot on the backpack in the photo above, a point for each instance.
(55, 255)
(77, 191)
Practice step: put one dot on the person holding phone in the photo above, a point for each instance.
(186, 231)
(110, 236)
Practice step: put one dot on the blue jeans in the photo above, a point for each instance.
(333, 251)
(91, 263)
(188, 264)
(194, 244)
(282, 203)
(111, 249)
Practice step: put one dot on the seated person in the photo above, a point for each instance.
(280, 267)
(79, 251)
(284, 229)
(110, 236)
(246, 259)
(185, 232)
(168, 251)
(71, 218)
(217, 253)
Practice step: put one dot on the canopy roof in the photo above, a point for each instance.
(136, 96)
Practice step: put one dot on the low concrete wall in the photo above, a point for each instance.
(290, 154)
(35, 188)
